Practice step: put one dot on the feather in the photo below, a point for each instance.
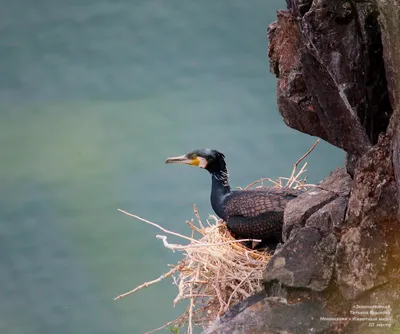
(257, 213)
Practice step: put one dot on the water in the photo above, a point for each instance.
(94, 96)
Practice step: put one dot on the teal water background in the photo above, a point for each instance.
(94, 95)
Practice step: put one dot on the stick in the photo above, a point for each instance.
(261, 180)
(218, 292)
(199, 295)
(302, 158)
(167, 324)
(215, 219)
(196, 212)
(174, 247)
(290, 182)
(307, 153)
(302, 170)
(158, 226)
(191, 304)
(194, 227)
(237, 287)
(147, 284)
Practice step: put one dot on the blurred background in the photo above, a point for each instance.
(94, 95)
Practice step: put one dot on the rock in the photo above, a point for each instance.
(330, 218)
(272, 315)
(299, 7)
(387, 295)
(301, 208)
(294, 100)
(335, 87)
(389, 19)
(374, 192)
(338, 182)
(364, 257)
(305, 261)
(332, 69)
(311, 222)
(361, 260)
(396, 167)
(312, 247)
(365, 252)
(350, 162)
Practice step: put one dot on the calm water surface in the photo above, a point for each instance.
(94, 95)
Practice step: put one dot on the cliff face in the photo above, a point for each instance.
(338, 70)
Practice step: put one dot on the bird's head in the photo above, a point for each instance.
(206, 158)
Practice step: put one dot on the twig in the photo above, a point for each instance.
(302, 170)
(218, 292)
(301, 159)
(196, 213)
(147, 284)
(180, 291)
(194, 295)
(261, 180)
(174, 247)
(158, 226)
(167, 324)
(194, 227)
(237, 287)
(191, 304)
(244, 293)
(307, 153)
(215, 219)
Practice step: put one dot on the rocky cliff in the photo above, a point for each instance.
(338, 270)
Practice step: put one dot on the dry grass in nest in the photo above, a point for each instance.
(217, 271)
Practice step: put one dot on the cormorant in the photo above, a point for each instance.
(255, 213)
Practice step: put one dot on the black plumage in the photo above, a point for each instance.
(256, 213)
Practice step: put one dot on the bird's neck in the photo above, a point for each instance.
(220, 188)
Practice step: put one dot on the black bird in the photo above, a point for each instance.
(256, 213)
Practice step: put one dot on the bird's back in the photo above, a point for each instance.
(257, 213)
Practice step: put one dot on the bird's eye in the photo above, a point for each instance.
(194, 156)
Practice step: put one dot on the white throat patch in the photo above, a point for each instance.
(203, 162)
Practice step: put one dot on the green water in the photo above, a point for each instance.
(94, 95)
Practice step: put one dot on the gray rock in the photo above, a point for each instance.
(311, 222)
(338, 182)
(389, 20)
(299, 210)
(272, 316)
(361, 260)
(366, 252)
(385, 295)
(396, 166)
(305, 261)
(323, 53)
(294, 100)
(330, 218)
(374, 190)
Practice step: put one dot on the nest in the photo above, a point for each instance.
(217, 271)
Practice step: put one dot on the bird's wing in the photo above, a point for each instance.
(264, 226)
(252, 203)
